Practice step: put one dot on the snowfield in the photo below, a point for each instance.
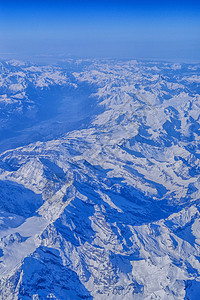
(99, 180)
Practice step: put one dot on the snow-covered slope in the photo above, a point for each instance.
(110, 210)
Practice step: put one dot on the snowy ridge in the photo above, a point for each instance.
(111, 210)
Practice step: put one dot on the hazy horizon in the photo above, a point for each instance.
(115, 29)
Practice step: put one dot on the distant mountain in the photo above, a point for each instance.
(100, 180)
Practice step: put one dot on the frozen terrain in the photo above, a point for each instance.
(99, 180)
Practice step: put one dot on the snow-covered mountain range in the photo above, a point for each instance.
(99, 180)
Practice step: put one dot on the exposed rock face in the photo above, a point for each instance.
(110, 210)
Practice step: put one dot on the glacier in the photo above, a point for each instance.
(99, 180)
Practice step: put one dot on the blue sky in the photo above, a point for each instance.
(124, 29)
